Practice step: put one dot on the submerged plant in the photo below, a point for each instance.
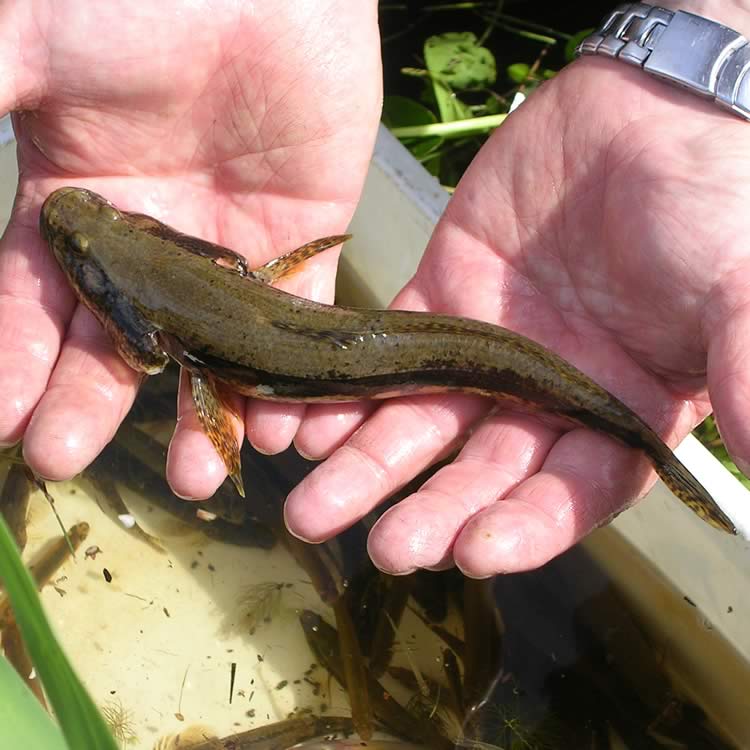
(120, 722)
(259, 603)
(510, 729)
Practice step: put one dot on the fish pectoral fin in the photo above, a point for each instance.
(289, 263)
(222, 256)
(217, 421)
(214, 414)
(134, 337)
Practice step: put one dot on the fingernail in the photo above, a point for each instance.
(294, 533)
(188, 498)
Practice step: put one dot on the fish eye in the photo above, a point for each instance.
(78, 243)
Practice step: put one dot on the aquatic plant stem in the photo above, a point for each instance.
(456, 129)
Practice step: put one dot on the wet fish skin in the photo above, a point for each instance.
(161, 294)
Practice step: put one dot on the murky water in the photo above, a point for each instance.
(186, 629)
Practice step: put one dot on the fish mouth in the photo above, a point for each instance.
(57, 199)
(54, 197)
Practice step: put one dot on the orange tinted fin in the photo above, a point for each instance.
(217, 421)
(289, 263)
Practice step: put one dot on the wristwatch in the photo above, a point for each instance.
(684, 49)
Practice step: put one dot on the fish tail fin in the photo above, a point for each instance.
(689, 490)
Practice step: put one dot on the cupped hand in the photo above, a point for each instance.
(607, 219)
(250, 125)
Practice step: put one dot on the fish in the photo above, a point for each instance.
(325, 643)
(377, 744)
(161, 294)
(14, 502)
(46, 563)
(280, 735)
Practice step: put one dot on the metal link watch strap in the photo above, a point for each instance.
(690, 51)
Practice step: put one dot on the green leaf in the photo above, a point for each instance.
(521, 73)
(518, 72)
(459, 60)
(456, 62)
(23, 721)
(399, 112)
(574, 41)
(80, 720)
(493, 106)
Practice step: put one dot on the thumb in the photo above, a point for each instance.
(729, 383)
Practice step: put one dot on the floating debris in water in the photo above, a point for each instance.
(127, 520)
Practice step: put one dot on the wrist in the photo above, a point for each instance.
(732, 13)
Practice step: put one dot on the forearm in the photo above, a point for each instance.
(732, 13)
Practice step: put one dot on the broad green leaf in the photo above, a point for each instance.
(23, 721)
(460, 61)
(80, 720)
(455, 62)
(400, 111)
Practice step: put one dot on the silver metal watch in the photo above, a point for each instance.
(689, 51)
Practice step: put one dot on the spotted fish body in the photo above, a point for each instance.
(162, 294)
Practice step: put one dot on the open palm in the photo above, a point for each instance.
(249, 125)
(607, 220)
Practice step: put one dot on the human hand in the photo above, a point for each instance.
(605, 219)
(247, 126)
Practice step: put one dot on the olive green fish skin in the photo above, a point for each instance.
(141, 277)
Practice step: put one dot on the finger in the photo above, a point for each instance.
(194, 468)
(584, 482)
(36, 305)
(327, 427)
(729, 383)
(420, 531)
(401, 439)
(271, 426)
(89, 393)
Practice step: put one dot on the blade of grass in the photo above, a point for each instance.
(80, 720)
(546, 30)
(533, 35)
(23, 721)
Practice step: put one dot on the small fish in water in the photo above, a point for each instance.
(14, 501)
(369, 745)
(47, 563)
(161, 294)
(280, 735)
